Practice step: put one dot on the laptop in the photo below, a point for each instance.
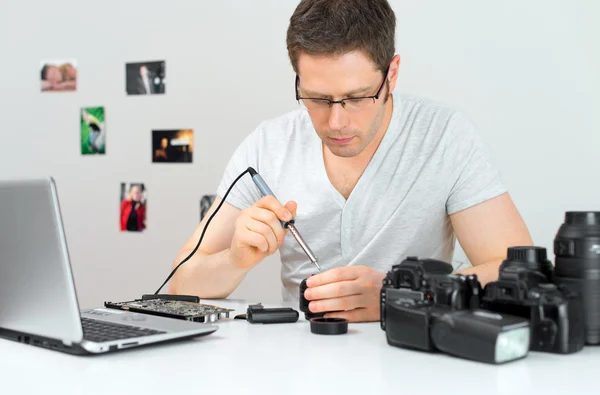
(38, 301)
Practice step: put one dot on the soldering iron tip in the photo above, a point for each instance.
(317, 265)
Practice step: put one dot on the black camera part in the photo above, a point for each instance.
(258, 314)
(440, 312)
(555, 314)
(533, 258)
(471, 334)
(577, 265)
(427, 279)
(304, 303)
(328, 326)
(409, 273)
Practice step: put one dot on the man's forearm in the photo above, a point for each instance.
(486, 272)
(206, 276)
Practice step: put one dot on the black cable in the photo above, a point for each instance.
(248, 170)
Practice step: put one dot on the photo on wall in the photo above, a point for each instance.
(146, 78)
(172, 146)
(205, 202)
(92, 131)
(58, 75)
(133, 207)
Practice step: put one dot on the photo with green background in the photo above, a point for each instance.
(93, 133)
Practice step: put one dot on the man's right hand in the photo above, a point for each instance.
(258, 232)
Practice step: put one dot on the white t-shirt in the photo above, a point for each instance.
(431, 163)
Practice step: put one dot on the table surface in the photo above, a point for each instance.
(287, 358)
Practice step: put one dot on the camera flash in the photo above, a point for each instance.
(482, 335)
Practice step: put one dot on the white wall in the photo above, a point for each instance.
(525, 71)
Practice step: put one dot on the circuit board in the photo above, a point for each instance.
(189, 311)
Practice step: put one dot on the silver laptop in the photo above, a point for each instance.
(38, 302)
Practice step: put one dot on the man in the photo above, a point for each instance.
(370, 176)
(140, 83)
(160, 154)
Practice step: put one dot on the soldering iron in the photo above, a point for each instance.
(266, 191)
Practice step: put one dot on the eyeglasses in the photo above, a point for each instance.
(352, 104)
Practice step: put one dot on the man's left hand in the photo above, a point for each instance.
(350, 292)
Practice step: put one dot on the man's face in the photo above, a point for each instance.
(346, 133)
(143, 71)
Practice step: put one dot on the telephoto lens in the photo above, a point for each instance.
(304, 303)
(577, 265)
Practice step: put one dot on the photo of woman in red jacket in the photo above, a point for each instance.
(133, 208)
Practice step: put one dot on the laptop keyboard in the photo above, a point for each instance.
(100, 331)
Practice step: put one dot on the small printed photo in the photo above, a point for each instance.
(145, 78)
(93, 131)
(205, 202)
(133, 207)
(59, 75)
(175, 146)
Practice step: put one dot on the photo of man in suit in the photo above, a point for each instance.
(147, 78)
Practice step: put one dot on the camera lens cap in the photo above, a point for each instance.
(328, 326)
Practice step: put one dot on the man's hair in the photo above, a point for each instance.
(336, 27)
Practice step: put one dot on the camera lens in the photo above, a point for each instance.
(532, 258)
(304, 303)
(577, 265)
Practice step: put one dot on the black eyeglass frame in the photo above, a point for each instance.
(343, 101)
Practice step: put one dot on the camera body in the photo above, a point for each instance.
(425, 307)
(410, 279)
(522, 289)
(426, 282)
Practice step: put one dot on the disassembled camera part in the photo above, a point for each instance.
(189, 311)
(257, 314)
(328, 326)
(304, 303)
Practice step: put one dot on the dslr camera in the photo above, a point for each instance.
(525, 288)
(425, 307)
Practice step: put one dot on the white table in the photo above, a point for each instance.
(288, 359)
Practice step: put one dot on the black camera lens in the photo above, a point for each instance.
(304, 303)
(577, 265)
(531, 258)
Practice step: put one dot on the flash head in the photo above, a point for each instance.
(477, 334)
(482, 335)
